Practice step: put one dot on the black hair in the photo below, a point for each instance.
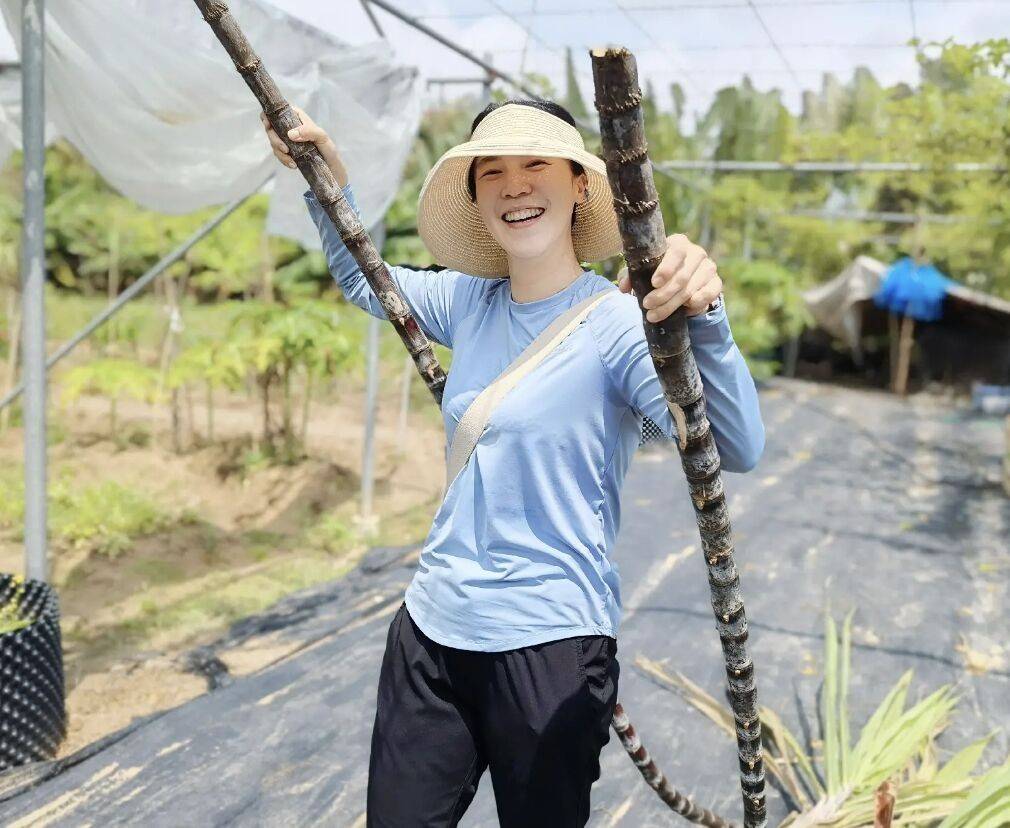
(551, 108)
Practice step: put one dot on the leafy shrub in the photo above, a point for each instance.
(330, 533)
(765, 307)
(105, 517)
(112, 378)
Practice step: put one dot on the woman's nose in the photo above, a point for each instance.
(516, 184)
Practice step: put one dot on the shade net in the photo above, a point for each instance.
(149, 96)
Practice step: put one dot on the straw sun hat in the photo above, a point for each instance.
(448, 220)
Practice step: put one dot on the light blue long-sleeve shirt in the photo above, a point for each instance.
(518, 553)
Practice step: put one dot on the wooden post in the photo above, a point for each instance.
(1006, 458)
(905, 342)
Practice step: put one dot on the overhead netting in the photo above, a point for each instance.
(144, 90)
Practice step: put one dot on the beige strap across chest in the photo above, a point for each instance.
(475, 418)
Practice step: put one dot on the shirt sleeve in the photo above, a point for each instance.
(438, 300)
(730, 394)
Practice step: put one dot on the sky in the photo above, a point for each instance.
(701, 44)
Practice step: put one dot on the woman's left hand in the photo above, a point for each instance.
(686, 276)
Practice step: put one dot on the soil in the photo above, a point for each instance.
(237, 536)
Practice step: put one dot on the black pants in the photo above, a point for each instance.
(537, 716)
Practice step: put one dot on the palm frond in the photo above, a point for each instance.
(895, 744)
(987, 806)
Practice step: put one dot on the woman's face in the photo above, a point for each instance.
(526, 202)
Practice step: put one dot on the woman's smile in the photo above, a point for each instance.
(519, 217)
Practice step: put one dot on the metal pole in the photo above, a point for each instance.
(33, 278)
(485, 97)
(371, 16)
(132, 291)
(827, 166)
(493, 73)
(368, 454)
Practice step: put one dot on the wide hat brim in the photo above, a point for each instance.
(451, 226)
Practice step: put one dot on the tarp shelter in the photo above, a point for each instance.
(146, 93)
(970, 340)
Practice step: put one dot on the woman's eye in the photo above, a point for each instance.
(486, 173)
(536, 164)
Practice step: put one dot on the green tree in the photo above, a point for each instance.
(278, 343)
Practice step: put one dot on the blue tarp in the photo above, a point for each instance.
(913, 290)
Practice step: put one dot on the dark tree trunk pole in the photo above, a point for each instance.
(618, 100)
(324, 187)
(655, 778)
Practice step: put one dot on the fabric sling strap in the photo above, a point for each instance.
(474, 419)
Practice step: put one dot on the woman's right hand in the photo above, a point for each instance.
(308, 131)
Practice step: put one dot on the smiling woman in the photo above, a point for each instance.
(503, 655)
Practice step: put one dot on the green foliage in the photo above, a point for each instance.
(12, 497)
(897, 744)
(104, 517)
(278, 342)
(97, 242)
(10, 611)
(330, 534)
(766, 310)
(217, 363)
(114, 379)
(573, 100)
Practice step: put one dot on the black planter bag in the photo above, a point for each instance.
(33, 718)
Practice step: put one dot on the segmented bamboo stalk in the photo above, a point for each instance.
(655, 778)
(618, 100)
(327, 192)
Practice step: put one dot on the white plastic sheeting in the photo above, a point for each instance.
(149, 96)
(835, 305)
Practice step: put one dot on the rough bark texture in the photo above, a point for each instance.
(655, 778)
(618, 100)
(327, 192)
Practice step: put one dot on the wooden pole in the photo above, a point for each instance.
(905, 342)
(622, 125)
(324, 186)
(1006, 457)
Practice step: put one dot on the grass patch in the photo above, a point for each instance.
(225, 598)
(104, 517)
(330, 534)
(158, 571)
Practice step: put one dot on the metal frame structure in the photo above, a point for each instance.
(34, 361)
(33, 278)
(33, 384)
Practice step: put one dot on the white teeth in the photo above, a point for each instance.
(522, 215)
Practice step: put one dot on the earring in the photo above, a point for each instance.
(585, 197)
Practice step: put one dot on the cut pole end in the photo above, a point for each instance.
(608, 51)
